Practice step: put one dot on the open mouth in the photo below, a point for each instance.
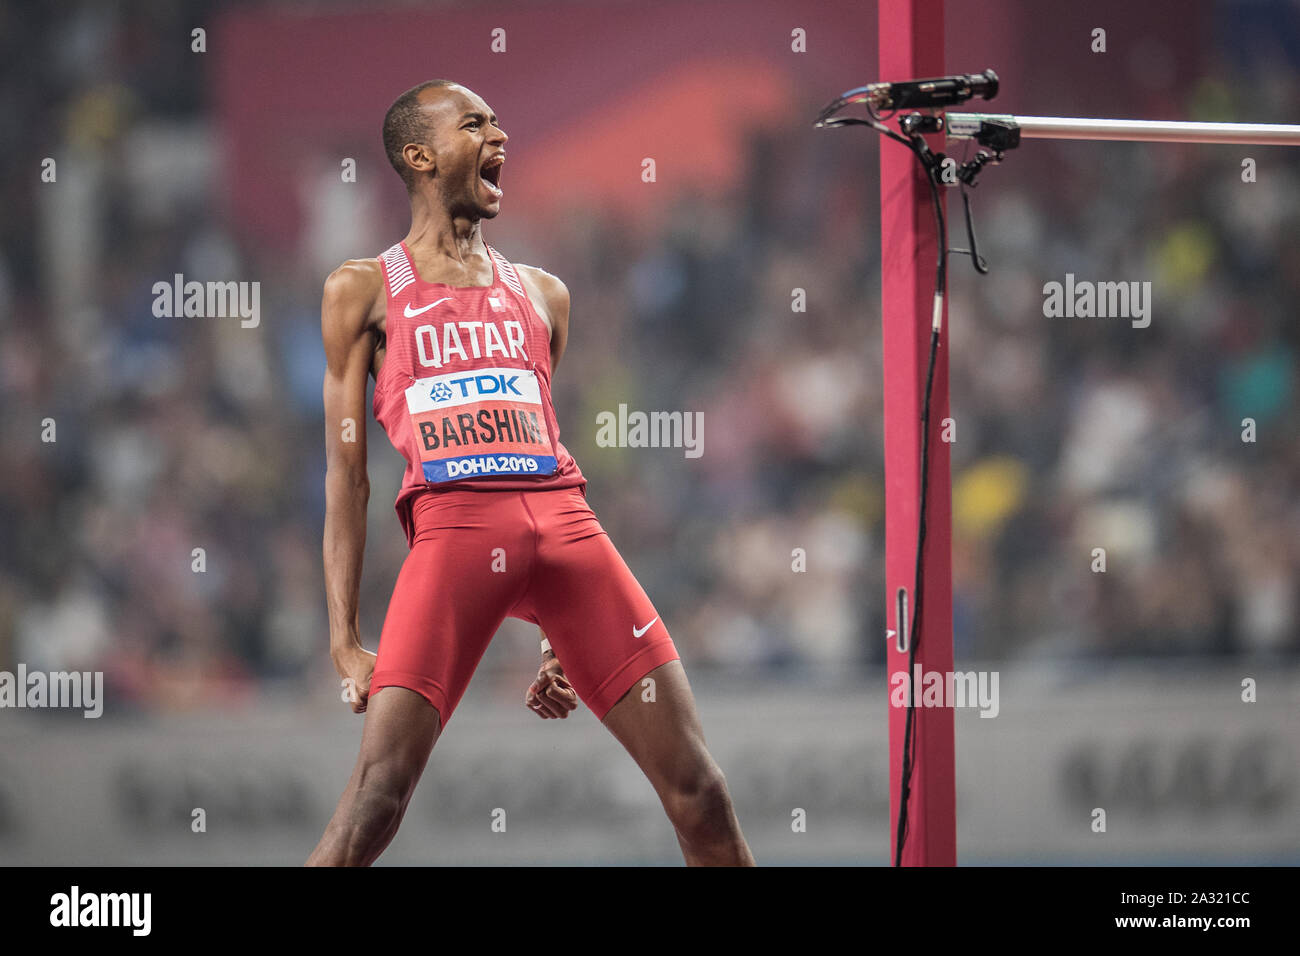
(490, 173)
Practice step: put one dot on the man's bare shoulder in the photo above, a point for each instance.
(545, 282)
(554, 293)
(354, 282)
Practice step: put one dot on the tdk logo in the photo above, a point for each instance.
(481, 385)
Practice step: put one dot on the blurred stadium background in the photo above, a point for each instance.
(1120, 690)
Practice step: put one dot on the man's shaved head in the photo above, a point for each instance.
(404, 123)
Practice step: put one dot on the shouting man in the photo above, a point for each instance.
(462, 345)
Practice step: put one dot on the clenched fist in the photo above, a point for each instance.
(551, 694)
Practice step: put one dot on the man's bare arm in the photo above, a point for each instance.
(349, 296)
(551, 297)
(550, 695)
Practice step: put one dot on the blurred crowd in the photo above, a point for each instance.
(169, 535)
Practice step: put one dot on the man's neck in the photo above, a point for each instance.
(437, 232)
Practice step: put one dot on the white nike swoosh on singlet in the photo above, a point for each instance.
(411, 313)
(638, 631)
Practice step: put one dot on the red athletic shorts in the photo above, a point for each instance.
(479, 557)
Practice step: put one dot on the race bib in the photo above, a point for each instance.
(486, 422)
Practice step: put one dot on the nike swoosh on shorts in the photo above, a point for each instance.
(637, 632)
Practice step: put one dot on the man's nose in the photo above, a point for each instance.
(499, 135)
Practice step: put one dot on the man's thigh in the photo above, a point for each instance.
(602, 625)
(469, 563)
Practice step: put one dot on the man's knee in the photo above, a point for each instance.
(375, 813)
(698, 802)
(387, 783)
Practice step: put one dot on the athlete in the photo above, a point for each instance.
(462, 344)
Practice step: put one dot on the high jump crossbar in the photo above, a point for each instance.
(968, 125)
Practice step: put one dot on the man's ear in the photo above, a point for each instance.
(419, 157)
